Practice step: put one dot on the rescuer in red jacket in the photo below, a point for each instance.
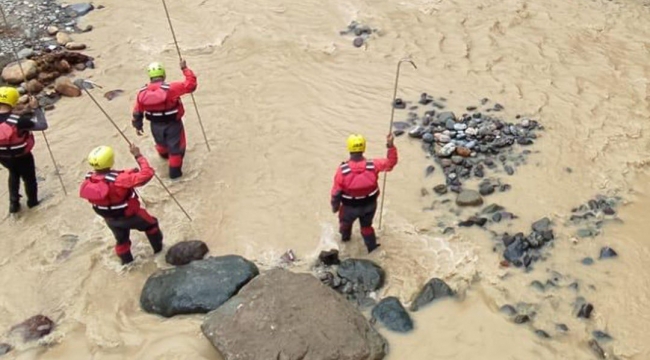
(16, 144)
(112, 194)
(355, 190)
(160, 103)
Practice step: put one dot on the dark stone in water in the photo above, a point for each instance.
(541, 225)
(398, 133)
(587, 261)
(484, 101)
(508, 310)
(509, 170)
(607, 252)
(524, 141)
(368, 275)
(478, 172)
(392, 314)
(467, 223)
(399, 104)
(486, 189)
(424, 99)
(448, 230)
(329, 258)
(430, 170)
(538, 285)
(595, 347)
(432, 290)
(198, 287)
(428, 138)
(542, 334)
(608, 211)
(498, 107)
(440, 189)
(515, 251)
(561, 327)
(5, 348)
(185, 252)
(401, 125)
(585, 311)
(600, 335)
(504, 187)
(492, 208)
(496, 217)
(471, 108)
(456, 188)
(574, 286)
(33, 328)
(358, 42)
(521, 319)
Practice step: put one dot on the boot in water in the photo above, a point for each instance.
(14, 207)
(126, 258)
(175, 172)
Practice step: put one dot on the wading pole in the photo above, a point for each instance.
(178, 50)
(390, 129)
(129, 142)
(47, 143)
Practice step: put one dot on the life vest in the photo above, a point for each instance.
(108, 200)
(359, 185)
(158, 107)
(14, 142)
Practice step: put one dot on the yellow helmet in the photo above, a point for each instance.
(155, 70)
(101, 158)
(9, 96)
(356, 143)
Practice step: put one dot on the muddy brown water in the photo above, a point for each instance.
(279, 90)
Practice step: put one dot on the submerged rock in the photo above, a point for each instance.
(288, 316)
(33, 328)
(5, 348)
(607, 252)
(469, 198)
(432, 290)
(392, 314)
(367, 275)
(198, 287)
(184, 252)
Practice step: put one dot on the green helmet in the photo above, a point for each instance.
(155, 70)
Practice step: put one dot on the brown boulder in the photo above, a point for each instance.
(33, 328)
(463, 151)
(48, 77)
(13, 74)
(34, 86)
(185, 252)
(63, 66)
(65, 87)
(63, 38)
(290, 316)
(75, 46)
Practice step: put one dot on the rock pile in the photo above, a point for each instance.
(47, 75)
(361, 32)
(355, 278)
(591, 216)
(34, 24)
(468, 145)
(523, 250)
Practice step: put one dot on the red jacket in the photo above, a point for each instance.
(112, 193)
(161, 101)
(356, 180)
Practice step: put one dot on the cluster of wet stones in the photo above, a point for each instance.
(522, 250)
(360, 32)
(469, 145)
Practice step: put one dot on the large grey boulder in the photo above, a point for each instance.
(289, 316)
(198, 287)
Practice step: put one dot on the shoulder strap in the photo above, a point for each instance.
(111, 176)
(370, 165)
(345, 168)
(165, 86)
(13, 119)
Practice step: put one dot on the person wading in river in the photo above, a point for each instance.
(160, 103)
(355, 190)
(112, 194)
(16, 144)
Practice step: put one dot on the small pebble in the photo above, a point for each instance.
(587, 261)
